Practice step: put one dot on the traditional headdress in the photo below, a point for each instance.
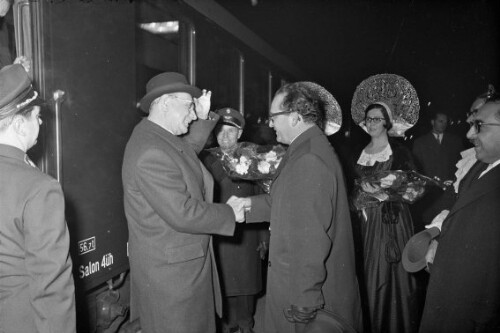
(333, 113)
(392, 91)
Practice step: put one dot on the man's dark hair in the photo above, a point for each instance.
(299, 98)
(435, 115)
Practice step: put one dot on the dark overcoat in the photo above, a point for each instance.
(464, 287)
(167, 195)
(435, 159)
(37, 292)
(311, 254)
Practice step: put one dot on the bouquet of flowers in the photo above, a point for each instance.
(250, 161)
(392, 185)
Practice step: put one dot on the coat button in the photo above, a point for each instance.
(269, 263)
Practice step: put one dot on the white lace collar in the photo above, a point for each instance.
(370, 159)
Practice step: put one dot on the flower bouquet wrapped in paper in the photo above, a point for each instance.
(392, 185)
(250, 161)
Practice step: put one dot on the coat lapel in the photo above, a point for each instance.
(477, 189)
(305, 136)
(178, 144)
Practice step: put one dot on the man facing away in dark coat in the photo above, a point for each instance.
(37, 293)
(311, 250)
(464, 290)
(170, 214)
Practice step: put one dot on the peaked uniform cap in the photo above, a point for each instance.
(166, 83)
(16, 91)
(231, 117)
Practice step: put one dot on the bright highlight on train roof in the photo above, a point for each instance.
(161, 28)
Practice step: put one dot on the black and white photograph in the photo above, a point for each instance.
(249, 166)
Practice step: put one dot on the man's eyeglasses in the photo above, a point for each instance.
(477, 124)
(375, 120)
(271, 115)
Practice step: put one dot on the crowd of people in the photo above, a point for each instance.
(333, 243)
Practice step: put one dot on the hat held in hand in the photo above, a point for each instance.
(416, 249)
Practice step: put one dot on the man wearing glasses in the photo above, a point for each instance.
(169, 210)
(464, 289)
(311, 254)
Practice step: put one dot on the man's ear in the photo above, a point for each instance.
(295, 118)
(18, 123)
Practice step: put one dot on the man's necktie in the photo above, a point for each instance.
(471, 176)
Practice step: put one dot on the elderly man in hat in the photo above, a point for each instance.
(170, 214)
(311, 252)
(36, 282)
(238, 257)
(464, 291)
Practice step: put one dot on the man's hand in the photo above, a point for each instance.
(297, 314)
(438, 220)
(25, 62)
(368, 188)
(238, 206)
(262, 249)
(431, 253)
(202, 104)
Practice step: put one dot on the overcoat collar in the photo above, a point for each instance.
(12, 152)
(479, 188)
(303, 137)
(175, 141)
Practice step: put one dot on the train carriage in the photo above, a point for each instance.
(91, 60)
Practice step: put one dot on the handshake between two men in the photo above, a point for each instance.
(239, 206)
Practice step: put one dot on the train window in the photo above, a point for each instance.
(276, 82)
(217, 64)
(163, 44)
(257, 102)
(256, 91)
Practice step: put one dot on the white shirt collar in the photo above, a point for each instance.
(489, 167)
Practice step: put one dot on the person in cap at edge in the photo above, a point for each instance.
(169, 210)
(238, 257)
(311, 248)
(463, 293)
(37, 291)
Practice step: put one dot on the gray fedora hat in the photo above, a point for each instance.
(166, 83)
(415, 250)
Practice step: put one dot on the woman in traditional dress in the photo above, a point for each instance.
(384, 228)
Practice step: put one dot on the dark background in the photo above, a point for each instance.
(448, 50)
